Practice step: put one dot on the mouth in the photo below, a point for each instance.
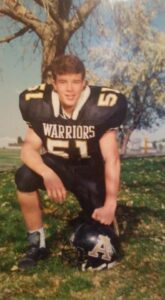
(70, 97)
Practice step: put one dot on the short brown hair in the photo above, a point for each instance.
(67, 64)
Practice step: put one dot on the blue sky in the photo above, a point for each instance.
(18, 73)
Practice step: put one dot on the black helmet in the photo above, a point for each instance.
(97, 246)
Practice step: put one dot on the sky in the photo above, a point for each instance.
(16, 74)
(19, 71)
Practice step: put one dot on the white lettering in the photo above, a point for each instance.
(103, 247)
(82, 146)
(61, 132)
(47, 129)
(68, 132)
(85, 132)
(54, 131)
(74, 132)
(91, 132)
(107, 97)
(54, 147)
(80, 132)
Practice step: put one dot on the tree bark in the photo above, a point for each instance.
(125, 141)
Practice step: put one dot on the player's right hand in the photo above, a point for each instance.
(54, 186)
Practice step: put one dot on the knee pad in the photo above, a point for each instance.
(27, 181)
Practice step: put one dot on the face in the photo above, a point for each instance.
(69, 88)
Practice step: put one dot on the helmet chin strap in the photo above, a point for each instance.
(116, 226)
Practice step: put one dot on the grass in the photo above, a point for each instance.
(139, 274)
(9, 158)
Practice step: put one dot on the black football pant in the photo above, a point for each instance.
(84, 178)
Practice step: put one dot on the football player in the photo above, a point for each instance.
(77, 125)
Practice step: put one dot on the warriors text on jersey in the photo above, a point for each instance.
(98, 110)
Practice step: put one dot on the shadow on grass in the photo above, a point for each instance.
(129, 219)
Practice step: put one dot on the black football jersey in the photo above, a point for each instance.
(98, 110)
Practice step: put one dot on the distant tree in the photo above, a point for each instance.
(19, 140)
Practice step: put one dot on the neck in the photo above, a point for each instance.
(68, 110)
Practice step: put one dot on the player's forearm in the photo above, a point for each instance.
(32, 158)
(112, 181)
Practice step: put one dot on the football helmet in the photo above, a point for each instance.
(97, 246)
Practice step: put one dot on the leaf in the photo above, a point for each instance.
(14, 268)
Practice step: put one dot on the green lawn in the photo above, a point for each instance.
(140, 274)
(9, 158)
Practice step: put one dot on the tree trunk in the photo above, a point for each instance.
(125, 141)
(50, 51)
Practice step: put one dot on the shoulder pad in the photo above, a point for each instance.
(108, 109)
(35, 92)
(108, 97)
(31, 99)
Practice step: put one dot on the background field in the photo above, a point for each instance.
(140, 274)
(9, 158)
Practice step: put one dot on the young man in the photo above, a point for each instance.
(76, 124)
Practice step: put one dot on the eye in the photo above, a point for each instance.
(77, 81)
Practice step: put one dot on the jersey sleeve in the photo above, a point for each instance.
(29, 102)
(112, 109)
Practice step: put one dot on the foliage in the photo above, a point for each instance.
(135, 62)
(138, 275)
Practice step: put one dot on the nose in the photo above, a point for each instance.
(69, 86)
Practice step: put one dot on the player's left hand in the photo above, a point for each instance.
(103, 215)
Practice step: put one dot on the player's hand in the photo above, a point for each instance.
(104, 215)
(54, 186)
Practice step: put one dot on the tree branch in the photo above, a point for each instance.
(64, 8)
(4, 11)
(19, 12)
(39, 2)
(51, 8)
(7, 39)
(81, 15)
